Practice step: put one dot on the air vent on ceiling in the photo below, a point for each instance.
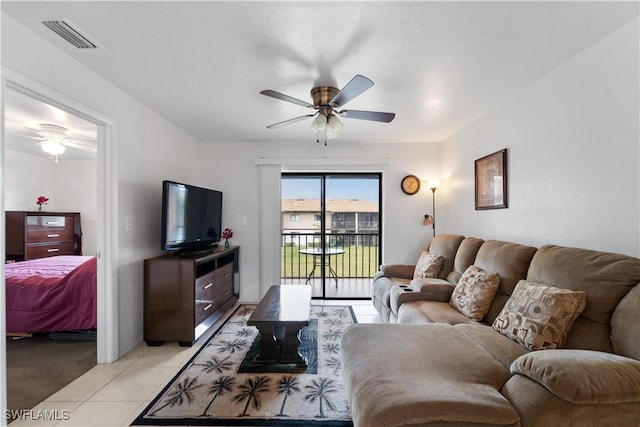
(70, 34)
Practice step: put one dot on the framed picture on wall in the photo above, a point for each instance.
(491, 181)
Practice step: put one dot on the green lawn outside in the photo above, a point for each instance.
(356, 262)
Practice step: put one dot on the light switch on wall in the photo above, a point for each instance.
(129, 223)
(242, 222)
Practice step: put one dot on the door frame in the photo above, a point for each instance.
(106, 236)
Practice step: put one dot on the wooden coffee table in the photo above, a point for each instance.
(279, 316)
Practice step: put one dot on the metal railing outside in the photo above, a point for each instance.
(349, 255)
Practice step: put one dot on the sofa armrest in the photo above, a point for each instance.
(582, 376)
(421, 290)
(403, 271)
(439, 288)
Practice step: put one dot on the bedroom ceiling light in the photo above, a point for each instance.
(53, 137)
(52, 147)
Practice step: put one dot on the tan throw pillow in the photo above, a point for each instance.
(539, 316)
(474, 292)
(428, 265)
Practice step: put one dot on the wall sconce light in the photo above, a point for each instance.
(429, 219)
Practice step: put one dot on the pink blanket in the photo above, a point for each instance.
(51, 294)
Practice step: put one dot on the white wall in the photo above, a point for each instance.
(26, 177)
(573, 153)
(231, 168)
(70, 185)
(148, 147)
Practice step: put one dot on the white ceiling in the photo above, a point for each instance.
(438, 65)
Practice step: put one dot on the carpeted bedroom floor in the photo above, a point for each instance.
(37, 367)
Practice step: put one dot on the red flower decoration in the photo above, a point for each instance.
(42, 201)
(227, 233)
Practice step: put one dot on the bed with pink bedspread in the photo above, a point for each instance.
(51, 294)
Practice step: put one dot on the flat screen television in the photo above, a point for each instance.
(191, 217)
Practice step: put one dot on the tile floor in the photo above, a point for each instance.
(114, 394)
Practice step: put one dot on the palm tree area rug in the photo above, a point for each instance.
(219, 386)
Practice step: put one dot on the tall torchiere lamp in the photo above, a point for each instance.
(431, 219)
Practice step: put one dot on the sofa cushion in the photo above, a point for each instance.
(433, 375)
(537, 406)
(607, 278)
(445, 245)
(583, 376)
(430, 312)
(511, 262)
(504, 349)
(428, 265)
(474, 293)
(465, 256)
(626, 340)
(539, 316)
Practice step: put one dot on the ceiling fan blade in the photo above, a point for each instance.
(287, 98)
(355, 87)
(375, 116)
(40, 138)
(289, 122)
(33, 130)
(80, 145)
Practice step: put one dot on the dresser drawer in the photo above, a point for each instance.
(47, 222)
(204, 310)
(41, 229)
(49, 235)
(224, 283)
(42, 251)
(205, 287)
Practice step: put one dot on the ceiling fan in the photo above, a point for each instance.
(54, 140)
(326, 101)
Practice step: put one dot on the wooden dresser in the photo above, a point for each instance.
(36, 234)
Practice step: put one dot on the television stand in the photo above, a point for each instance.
(184, 295)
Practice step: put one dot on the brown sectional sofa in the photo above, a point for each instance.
(437, 367)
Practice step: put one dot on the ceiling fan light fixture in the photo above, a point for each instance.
(334, 126)
(52, 147)
(319, 123)
(326, 101)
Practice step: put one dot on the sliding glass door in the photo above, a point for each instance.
(331, 232)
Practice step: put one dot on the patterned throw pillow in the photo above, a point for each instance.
(428, 265)
(539, 316)
(474, 292)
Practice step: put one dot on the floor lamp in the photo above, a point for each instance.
(429, 219)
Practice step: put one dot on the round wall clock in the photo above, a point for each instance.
(410, 184)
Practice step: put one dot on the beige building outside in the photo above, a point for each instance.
(342, 216)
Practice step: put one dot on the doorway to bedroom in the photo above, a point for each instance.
(50, 156)
(331, 232)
